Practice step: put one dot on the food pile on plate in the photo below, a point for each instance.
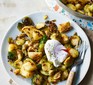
(82, 6)
(43, 51)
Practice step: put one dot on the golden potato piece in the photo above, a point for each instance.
(74, 53)
(37, 34)
(32, 32)
(36, 56)
(12, 47)
(17, 71)
(40, 25)
(64, 27)
(26, 73)
(28, 30)
(37, 79)
(29, 65)
(65, 38)
(71, 6)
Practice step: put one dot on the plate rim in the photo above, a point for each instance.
(36, 12)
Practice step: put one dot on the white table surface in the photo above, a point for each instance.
(11, 10)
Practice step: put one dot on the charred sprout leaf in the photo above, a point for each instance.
(11, 56)
(20, 26)
(39, 66)
(27, 21)
(10, 40)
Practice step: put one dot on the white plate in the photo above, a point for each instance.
(38, 17)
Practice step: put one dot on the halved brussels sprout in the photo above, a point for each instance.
(57, 75)
(44, 59)
(65, 75)
(37, 79)
(46, 66)
(75, 40)
(68, 62)
(44, 73)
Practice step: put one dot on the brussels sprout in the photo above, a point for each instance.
(52, 80)
(68, 62)
(20, 41)
(44, 73)
(57, 75)
(62, 68)
(65, 75)
(27, 21)
(37, 79)
(75, 40)
(46, 66)
(20, 26)
(10, 40)
(44, 59)
(12, 56)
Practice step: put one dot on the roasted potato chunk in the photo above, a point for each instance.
(37, 34)
(17, 71)
(29, 65)
(36, 56)
(55, 36)
(65, 38)
(32, 32)
(64, 27)
(12, 47)
(74, 53)
(28, 30)
(40, 25)
(26, 73)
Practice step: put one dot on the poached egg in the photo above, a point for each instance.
(55, 52)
